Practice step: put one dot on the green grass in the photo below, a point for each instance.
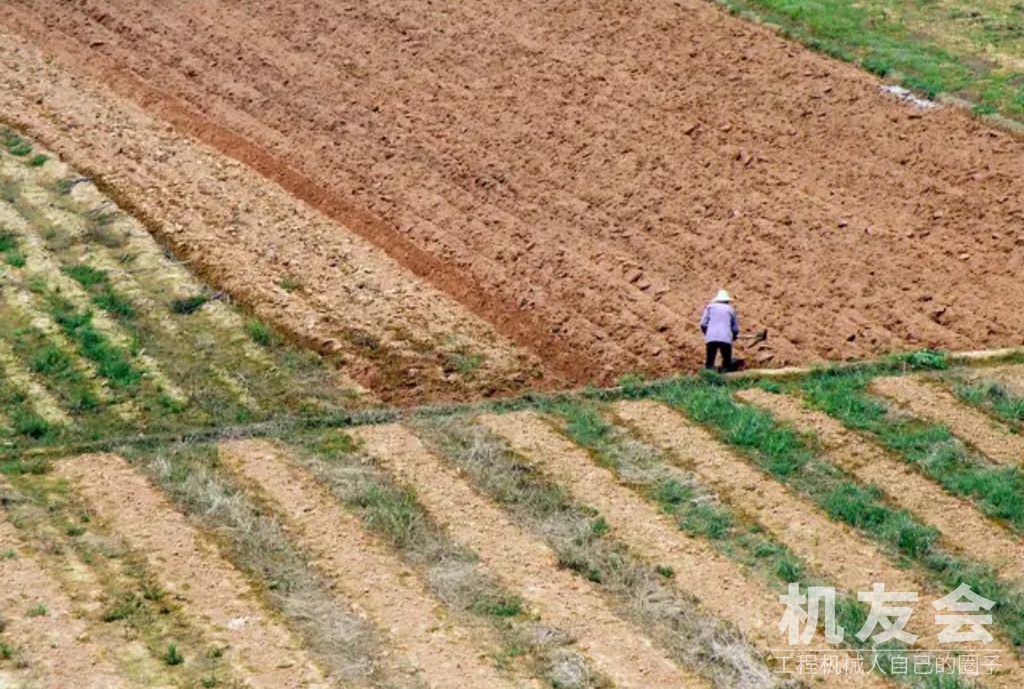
(188, 305)
(111, 361)
(260, 332)
(997, 490)
(993, 397)
(103, 295)
(680, 495)
(38, 160)
(10, 249)
(173, 656)
(794, 460)
(123, 609)
(928, 48)
(37, 610)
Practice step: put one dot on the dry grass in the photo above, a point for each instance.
(671, 618)
(345, 644)
(452, 573)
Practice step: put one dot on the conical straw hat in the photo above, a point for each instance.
(722, 296)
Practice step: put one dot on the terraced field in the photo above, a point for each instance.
(285, 295)
(103, 333)
(635, 537)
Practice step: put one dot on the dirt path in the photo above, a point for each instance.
(963, 527)
(56, 645)
(714, 579)
(214, 595)
(552, 166)
(246, 234)
(526, 565)
(369, 576)
(990, 437)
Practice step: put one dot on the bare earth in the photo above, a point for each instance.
(365, 573)
(585, 176)
(993, 439)
(963, 527)
(56, 645)
(262, 652)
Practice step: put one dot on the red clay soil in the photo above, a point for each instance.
(587, 175)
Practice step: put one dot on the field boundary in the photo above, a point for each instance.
(628, 387)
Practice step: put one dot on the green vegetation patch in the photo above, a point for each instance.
(112, 362)
(993, 397)
(997, 490)
(931, 48)
(794, 459)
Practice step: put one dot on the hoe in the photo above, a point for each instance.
(755, 339)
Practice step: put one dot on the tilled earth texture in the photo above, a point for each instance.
(582, 177)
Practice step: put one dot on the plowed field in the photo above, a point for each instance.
(637, 541)
(583, 178)
(242, 242)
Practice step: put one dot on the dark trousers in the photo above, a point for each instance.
(712, 349)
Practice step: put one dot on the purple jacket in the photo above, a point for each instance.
(719, 323)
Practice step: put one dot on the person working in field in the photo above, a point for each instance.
(721, 327)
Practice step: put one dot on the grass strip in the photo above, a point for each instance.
(395, 514)
(22, 417)
(695, 508)
(112, 362)
(102, 293)
(876, 36)
(577, 534)
(698, 513)
(255, 543)
(794, 459)
(997, 490)
(992, 397)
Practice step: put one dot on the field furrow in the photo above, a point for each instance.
(24, 381)
(1011, 376)
(43, 630)
(41, 264)
(214, 595)
(843, 555)
(526, 565)
(701, 571)
(850, 561)
(963, 527)
(367, 574)
(992, 438)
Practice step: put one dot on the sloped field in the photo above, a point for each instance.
(581, 177)
(103, 334)
(630, 538)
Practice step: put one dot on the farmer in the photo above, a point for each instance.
(720, 327)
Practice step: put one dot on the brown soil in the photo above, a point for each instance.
(851, 562)
(1010, 376)
(988, 436)
(214, 595)
(392, 332)
(962, 526)
(526, 565)
(701, 571)
(56, 646)
(586, 176)
(367, 575)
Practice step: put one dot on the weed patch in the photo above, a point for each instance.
(545, 509)
(993, 397)
(111, 361)
(997, 490)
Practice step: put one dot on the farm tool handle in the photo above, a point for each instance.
(756, 338)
